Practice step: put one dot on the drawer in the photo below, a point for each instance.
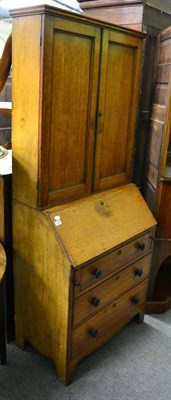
(96, 298)
(87, 336)
(99, 269)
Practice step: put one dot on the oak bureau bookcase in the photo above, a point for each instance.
(82, 233)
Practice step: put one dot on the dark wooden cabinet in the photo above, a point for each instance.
(128, 13)
(142, 15)
(157, 181)
(85, 75)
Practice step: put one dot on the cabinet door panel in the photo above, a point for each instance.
(120, 68)
(74, 58)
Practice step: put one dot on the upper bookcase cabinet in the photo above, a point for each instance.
(75, 96)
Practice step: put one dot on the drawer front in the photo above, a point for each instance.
(99, 269)
(87, 336)
(96, 298)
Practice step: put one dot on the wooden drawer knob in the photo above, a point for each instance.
(138, 272)
(135, 300)
(97, 273)
(93, 332)
(95, 302)
(76, 283)
(141, 246)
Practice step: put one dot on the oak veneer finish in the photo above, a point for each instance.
(79, 68)
(69, 140)
(110, 288)
(108, 321)
(107, 208)
(51, 304)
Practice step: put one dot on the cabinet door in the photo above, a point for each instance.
(70, 82)
(119, 85)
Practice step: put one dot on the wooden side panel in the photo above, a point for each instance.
(41, 280)
(150, 195)
(152, 174)
(119, 83)
(25, 111)
(161, 201)
(160, 121)
(144, 108)
(164, 217)
(70, 117)
(155, 142)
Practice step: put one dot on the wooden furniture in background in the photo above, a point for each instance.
(142, 15)
(157, 182)
(80, 268)
(5, 62)
(6, 237)
(128, 13)
(150, 16)
(2, 306)
(5, 121)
